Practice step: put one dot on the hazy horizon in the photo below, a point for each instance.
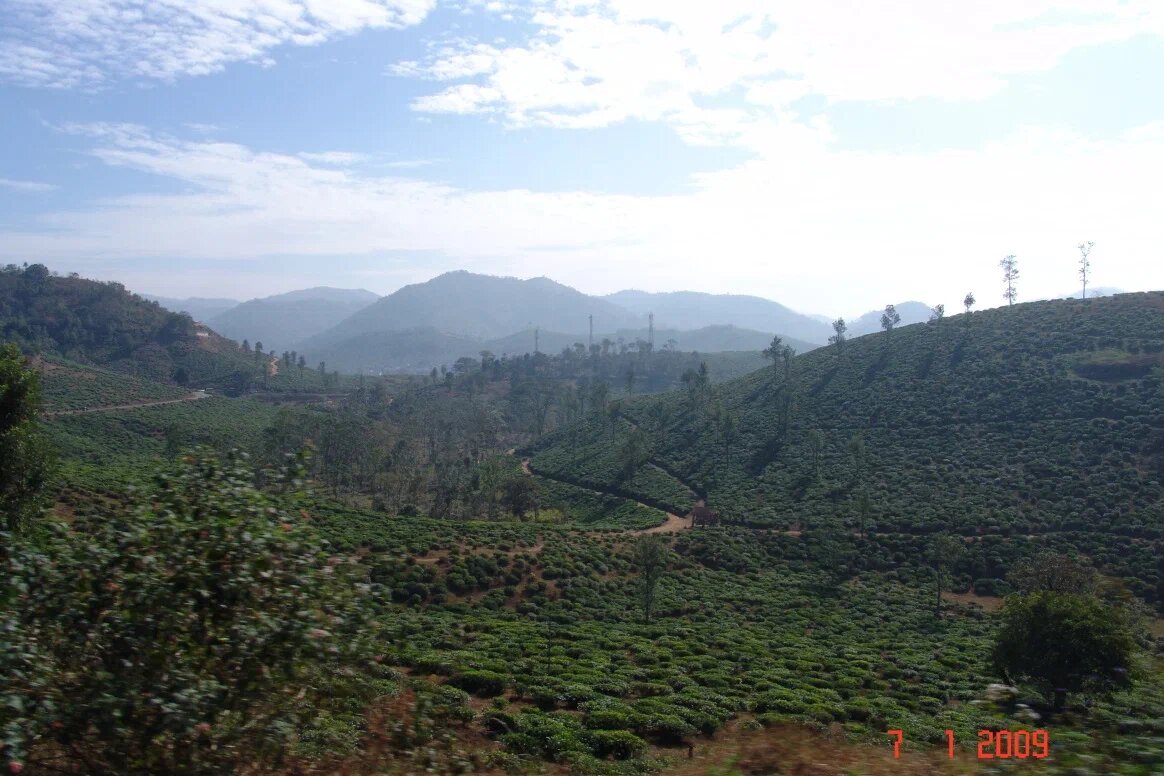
(952, 308)
(829, 157)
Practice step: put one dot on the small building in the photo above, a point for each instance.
(703, 516)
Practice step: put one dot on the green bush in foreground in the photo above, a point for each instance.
(1065, 642)
(202, 628)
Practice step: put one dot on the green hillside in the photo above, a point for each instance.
(101, 324)
(1045, 417)
(73, 387)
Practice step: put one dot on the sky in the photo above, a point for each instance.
(831, 155)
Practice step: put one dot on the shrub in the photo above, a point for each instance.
(201, 627)
(486, 684)
(619, 744)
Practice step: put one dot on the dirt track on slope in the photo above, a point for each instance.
(196, 396)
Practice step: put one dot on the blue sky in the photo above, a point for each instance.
(829, 155)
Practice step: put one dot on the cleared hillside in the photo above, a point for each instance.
(1042, 417)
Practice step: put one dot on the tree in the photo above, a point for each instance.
(203, 629)
(775, 351)
(25, 461)
(889, 319)
(519, 495)
(968, 302)
(650, 558)
(258, 350)
(787, 353)
(944, 552)
(323, 370)
(937, 313)
(246, 346)
(1010, 274)
(838, 339)
(633, 454)
(857, 456)
(599, 392)
(815, 442)
(1085, 263)
(302, 362)
(630, 380)
(1064, 642)
(1051, 572)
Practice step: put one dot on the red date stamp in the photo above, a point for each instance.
(994, 744)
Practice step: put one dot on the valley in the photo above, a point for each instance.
(502, 560)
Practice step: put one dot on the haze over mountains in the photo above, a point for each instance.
(694, 309)
(283, 320)
(461, 313)
(198, 308)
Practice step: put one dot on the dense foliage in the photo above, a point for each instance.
(203, 627)
(24, 458)
(1065, 641)
(101, 324)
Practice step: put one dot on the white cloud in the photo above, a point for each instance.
(29, 186)
(820, 229)
(335, 158)
(597, 62)
(85, 43)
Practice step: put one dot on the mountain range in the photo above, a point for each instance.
(282, 321)
(460, 313)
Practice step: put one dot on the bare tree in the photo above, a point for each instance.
(1010, 274)
(1085, 263)
(969, 302)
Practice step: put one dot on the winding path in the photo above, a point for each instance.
(195, 396)
(673, 524)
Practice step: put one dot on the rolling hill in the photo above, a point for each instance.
(695, 310)
(283, 320)
(1045, 418)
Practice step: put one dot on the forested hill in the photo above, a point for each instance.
(1040, 417)
(102, 324)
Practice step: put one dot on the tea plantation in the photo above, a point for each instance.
(1042, 419)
